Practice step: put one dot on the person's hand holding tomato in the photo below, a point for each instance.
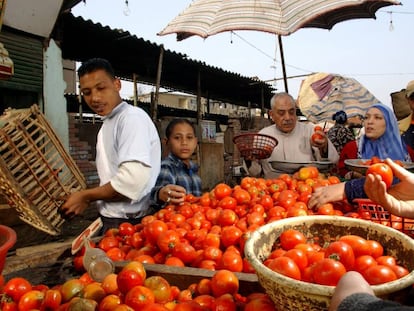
(319, 140)
(399, 200)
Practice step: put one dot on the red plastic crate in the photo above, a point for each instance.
(380, 215)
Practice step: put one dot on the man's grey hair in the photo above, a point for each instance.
(281, 94)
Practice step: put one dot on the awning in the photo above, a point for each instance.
(81, 40)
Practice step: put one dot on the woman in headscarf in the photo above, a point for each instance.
(340, 134)
(381, 139)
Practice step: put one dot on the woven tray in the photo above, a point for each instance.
(35, 169)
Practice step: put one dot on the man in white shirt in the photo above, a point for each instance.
(128, 151)
(294, 139)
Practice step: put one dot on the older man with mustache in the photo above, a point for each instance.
(294, 139)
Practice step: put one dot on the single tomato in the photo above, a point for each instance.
(383, 170)
(328, 272)
(290, 237)
(16, 288)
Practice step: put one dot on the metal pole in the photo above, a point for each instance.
(283, 63)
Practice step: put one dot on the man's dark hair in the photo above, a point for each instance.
(95, 64)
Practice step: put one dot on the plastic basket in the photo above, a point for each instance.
(36, 171)
(291, 295)
(381, 216)
(7, 240)
(254, 145)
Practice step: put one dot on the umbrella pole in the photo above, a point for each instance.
(282, 58)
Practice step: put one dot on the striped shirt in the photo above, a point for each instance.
(174, 171)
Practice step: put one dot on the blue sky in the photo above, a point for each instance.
(365, 49)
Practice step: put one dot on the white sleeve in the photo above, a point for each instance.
(131, 179)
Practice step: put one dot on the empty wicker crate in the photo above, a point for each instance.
(35, 169)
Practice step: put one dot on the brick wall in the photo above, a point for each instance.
(82, 138)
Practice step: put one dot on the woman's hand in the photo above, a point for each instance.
(172, 194)
(327, 194)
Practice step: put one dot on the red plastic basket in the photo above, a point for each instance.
(255, 146)
(380, 215)
(7, 239)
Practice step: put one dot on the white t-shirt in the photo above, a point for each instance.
(127, 134)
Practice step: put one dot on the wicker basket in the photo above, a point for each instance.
(292, 295)
(381, 216)
(35, 169)
(255, 146)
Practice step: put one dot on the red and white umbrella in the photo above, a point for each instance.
(282, 17)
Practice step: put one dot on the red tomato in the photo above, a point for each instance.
(379, 274)
(139, 296)
(107, 242)
(154, 229)
(52, 299)
(231, 260)
(261, 304)
(364, 262)
(16, 288)
(287, 198)
(286, 266)
(31, 300)
(290, 237)
(166, 241)
(8, 305)
(328, 271)
(228, 202)
(400, 271)
(326, 209)
(342, 252)
(224, 282)
(316, 137)
(205, 301)
(359, 245)
(188, 306)
(299, 256)
(383, 170)
(376, 248)
(109, 303)
(227, 217)
(230, 235)
(386, 260)
(224, 302)
(127, 279)
(222, 190)
(126, 229)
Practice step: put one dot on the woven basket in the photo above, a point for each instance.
(381, 216)
(255, 146)
(35, 169)
(292, 295)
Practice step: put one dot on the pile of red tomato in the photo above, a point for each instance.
(210, 231)
(131, 289)
(295, 257)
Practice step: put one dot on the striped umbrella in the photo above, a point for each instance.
(323, 94)
(282, 17)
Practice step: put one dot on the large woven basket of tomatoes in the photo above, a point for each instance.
(254, 145)
(372, 211)
(303, 290)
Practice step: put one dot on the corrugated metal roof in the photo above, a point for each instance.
(82, 39)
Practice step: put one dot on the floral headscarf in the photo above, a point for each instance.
(389, 145)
